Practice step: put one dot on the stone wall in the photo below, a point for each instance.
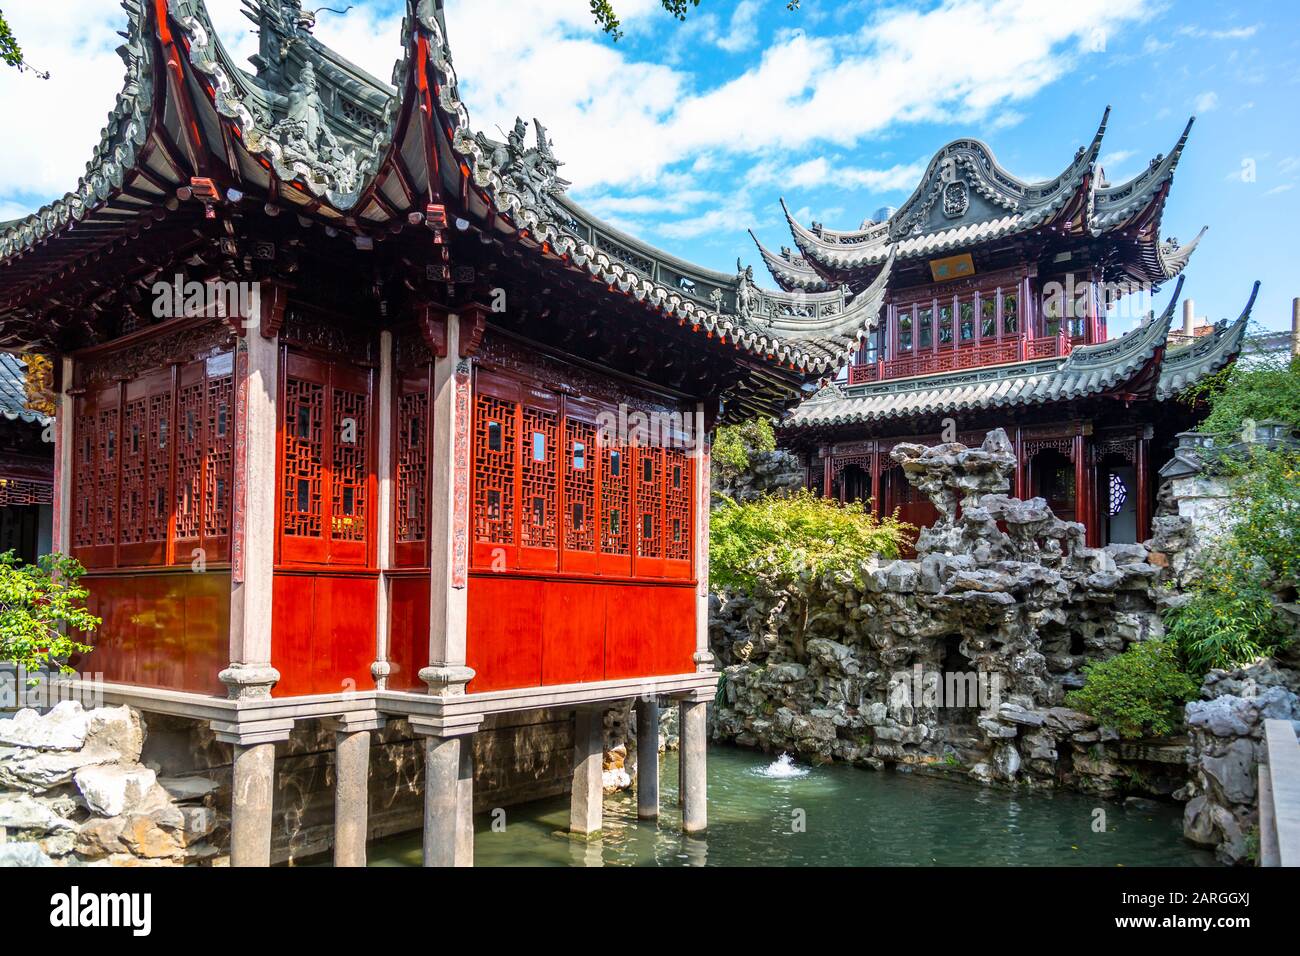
(1227, 746)
(105, 786)
(998, 613)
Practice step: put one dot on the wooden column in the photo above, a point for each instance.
(876, 504)
(380, 669)
(252, 545)
(1084, 509)
(1142, 465)
(1019, 488)
(827, 474)
(450, 409)
(64, 416)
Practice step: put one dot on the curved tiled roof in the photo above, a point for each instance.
(13, 392)
(989, 203)
(1189, 364)
(372, 134)
(1087, 370)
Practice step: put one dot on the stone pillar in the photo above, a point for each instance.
(647, 758)
(450, 411)
(250, 674)
(1189, 319)
(587, 801)
(465, 805)
(703, 657)
(252, 786)
(352, 786)
(380, 669)
(694, 741)
(448, 791)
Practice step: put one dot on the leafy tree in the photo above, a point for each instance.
(734, 444)
(1138, 693)
(607, 19)
(803, 534)
(1268, 389)
(41, 607)
(11, 54)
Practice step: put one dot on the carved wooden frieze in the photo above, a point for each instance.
(134, 358)
(317, 331)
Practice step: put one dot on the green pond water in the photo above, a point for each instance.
(850, 817)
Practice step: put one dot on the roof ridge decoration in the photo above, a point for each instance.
(791, 272)
(290, 129)
(124, 134)
(966, 196)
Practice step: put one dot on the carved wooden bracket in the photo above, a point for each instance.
(473, 323)
(275, 297)
(431, 319)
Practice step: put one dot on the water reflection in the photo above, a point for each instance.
(832, 815)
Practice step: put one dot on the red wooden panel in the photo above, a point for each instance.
(408, 631)
(146, 471)
(616, 517)
(573, 638)
(188, 469)
(343, 645)
(504, 641)
(161, 630)
(649, 631)
(648, 528)
(302, 471)
(580, 519)
(679, 529)
(293, 612)
(495, 472)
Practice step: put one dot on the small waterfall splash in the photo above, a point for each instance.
(783, 768)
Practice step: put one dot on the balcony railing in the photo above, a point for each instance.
(1019, 349)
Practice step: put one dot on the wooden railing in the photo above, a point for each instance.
(1279, 796)
(1019, 349)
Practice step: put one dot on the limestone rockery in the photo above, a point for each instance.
(958, 660)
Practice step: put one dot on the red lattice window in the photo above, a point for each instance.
(135, 441)
(580, 465)
(18, 492)
(616, 500)
(349, 476)
(494, 470)
(649, 502)
(189, 462)
(677, 505)
(219, 425)
(158, 476)
(412, 442)
(538, 485)
(83, 482)
(304, 447)
(107, 458)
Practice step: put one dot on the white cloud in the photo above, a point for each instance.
(742, 33)
(1206, 101)
(1284, 187)
(1230, 33)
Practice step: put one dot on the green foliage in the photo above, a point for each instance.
(734, 444)
(607, 19)
(1268, 389)
(786, 537)
(41, 605)
(1138, 693)
(1231, 617)
(10, 53)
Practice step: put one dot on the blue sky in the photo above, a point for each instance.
(686, 134)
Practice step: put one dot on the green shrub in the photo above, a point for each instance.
(734, 444)
(788, 536)
(1232, 617)
(41, 606)
(1267, 389)
(1138, 693)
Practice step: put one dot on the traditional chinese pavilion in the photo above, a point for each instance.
(996, 315)
(360, 417)
(26, 466)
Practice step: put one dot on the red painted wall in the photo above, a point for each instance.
(528, 632)
(161, 630)
(322, 633)
(408, 630)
